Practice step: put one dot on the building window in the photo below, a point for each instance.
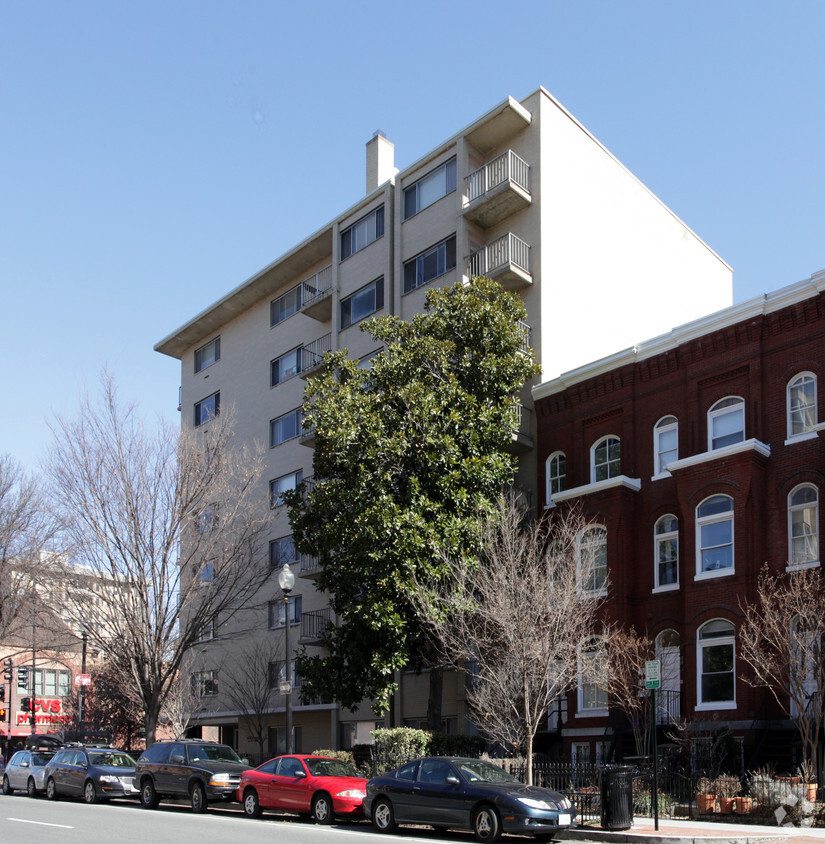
(49, 682)
(666, 533)
(285, 427)
(367, 230)
(802, 404)
(591, 560)
(208, 519)
(429, 265)
(208, 632)
(207, 408)
(285, 306)
(606, 459)
(726, 423)
(362, 303)
(282, 551)
(205, 683)
(208, 354)
(665, 443)
(430, 189)
(803, 526)
(714, 535)
(277, 609)
(204, 573)
(277, 674)
(281, 485)
(556, 474)
(284, 367)
(716, 662)
(592, 689)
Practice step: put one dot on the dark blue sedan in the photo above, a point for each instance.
(449, 793)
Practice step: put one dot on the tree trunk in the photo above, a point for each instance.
(151, 721)
(434, 701)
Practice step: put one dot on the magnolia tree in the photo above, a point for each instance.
(519, 619)
(168, 527)
(781, 640)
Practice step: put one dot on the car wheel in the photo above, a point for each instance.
(486, 825)
(198, 798)
(251, 804)
(51, 789)
(7, 789)
(31, 788)
(148, 795)
(383, 816)
(322, 808)
(90, 792)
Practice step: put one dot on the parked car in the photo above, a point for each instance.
(465, 794)
(202, 771)
(92, 772)
(25, 771)
(320, 786)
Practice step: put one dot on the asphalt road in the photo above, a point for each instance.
(27, 821)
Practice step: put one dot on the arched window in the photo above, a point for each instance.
(556, 474)
(591, 560)
(716, 663)
(726, 423)
(801, 404)
(714, 535)
(665, 443)
(666, 538)
(593, 673)
(605, 459)
(803, 525)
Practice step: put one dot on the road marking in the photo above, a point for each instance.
(40, 823)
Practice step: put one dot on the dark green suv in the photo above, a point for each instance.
(202, 771)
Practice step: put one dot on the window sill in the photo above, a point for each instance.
(719, 453)
(592, 713)
(714, 573)
(634, 484)
(671, 587)
(811, 434)
(662, 475)
(812, 564)
(709, 707)
(592, 593)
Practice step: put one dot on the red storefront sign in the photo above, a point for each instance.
(46, 711)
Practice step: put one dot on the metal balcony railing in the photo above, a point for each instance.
(309, 565)
(526, 332)
(506, 167)
(314, 623)
(316, 286)
(522, 420)
(507, 249)
(312, 355)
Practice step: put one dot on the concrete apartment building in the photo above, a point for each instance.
(698, 456)
(525, 195)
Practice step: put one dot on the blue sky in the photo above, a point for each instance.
(154, 155)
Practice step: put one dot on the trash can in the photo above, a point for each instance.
(617, 797)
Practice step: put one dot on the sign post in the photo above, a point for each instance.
(653, 680)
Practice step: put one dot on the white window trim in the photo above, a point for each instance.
(817, 425)
(593, 457)
(581, 711)
(808, 564)
(727, 451)
(709, 520)
(721, 640)
(548, 495)
(591, 593)
(724, 411)
(657, 538)
(657, 431)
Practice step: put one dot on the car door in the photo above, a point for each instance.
(434, 800)
(290, 785)
(18, 769)
(62, 761)
(176, 770)
(265, 784)
(75, 774)
(399, 790)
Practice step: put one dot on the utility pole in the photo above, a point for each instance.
(81, 705)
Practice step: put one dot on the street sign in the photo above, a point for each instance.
(285, 687)
(653, 674)
(83, 679)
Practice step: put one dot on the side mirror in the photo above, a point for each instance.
(176, 759)
(245, 761)
(452, 779)
(300, 775)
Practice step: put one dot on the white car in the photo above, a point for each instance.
(25, 771)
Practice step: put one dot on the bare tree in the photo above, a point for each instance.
(249, 687)
(181, 700)
(169, 523)
(781, 640)
(26, 526)
(521, 620)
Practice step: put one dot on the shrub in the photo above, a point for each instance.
(396, 745)
(343, 755)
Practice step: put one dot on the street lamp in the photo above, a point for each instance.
(286, 580)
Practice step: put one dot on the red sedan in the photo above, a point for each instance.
(319, 786)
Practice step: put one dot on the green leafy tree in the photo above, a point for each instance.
(409, 451)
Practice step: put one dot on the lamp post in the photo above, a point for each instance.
(286, 580)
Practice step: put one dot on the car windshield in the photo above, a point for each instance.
(110, 759)
(41, 759)
(330, 768)
(477, 771)
(212, 753)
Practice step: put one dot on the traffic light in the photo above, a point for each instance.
(25, 704)
(2, 714)
(2, 693)
(22, 676)
(7, 670)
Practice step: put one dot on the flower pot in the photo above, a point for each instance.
(725, 805)
(742, 805)
(810, 791)
(705, 803)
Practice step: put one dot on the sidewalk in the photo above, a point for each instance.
(697, 832)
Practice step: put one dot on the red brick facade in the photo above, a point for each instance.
(752, 352)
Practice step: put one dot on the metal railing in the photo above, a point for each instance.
(312, 355)
(316, 286)
(522, 420)
(314, 623)
(507, 249)
(506, 167)
(310, 565)
(526, 332)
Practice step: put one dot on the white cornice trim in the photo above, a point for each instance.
(588, 489)
(719, 453)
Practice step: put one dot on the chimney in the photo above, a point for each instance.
(380, 161)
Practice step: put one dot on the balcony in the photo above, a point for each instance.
(310, 567)
(526, 333)
(312, 355)
(307, 435)
(506, 259)
(522, 438)
(316, 295)
(498, 189)
(314, 624)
